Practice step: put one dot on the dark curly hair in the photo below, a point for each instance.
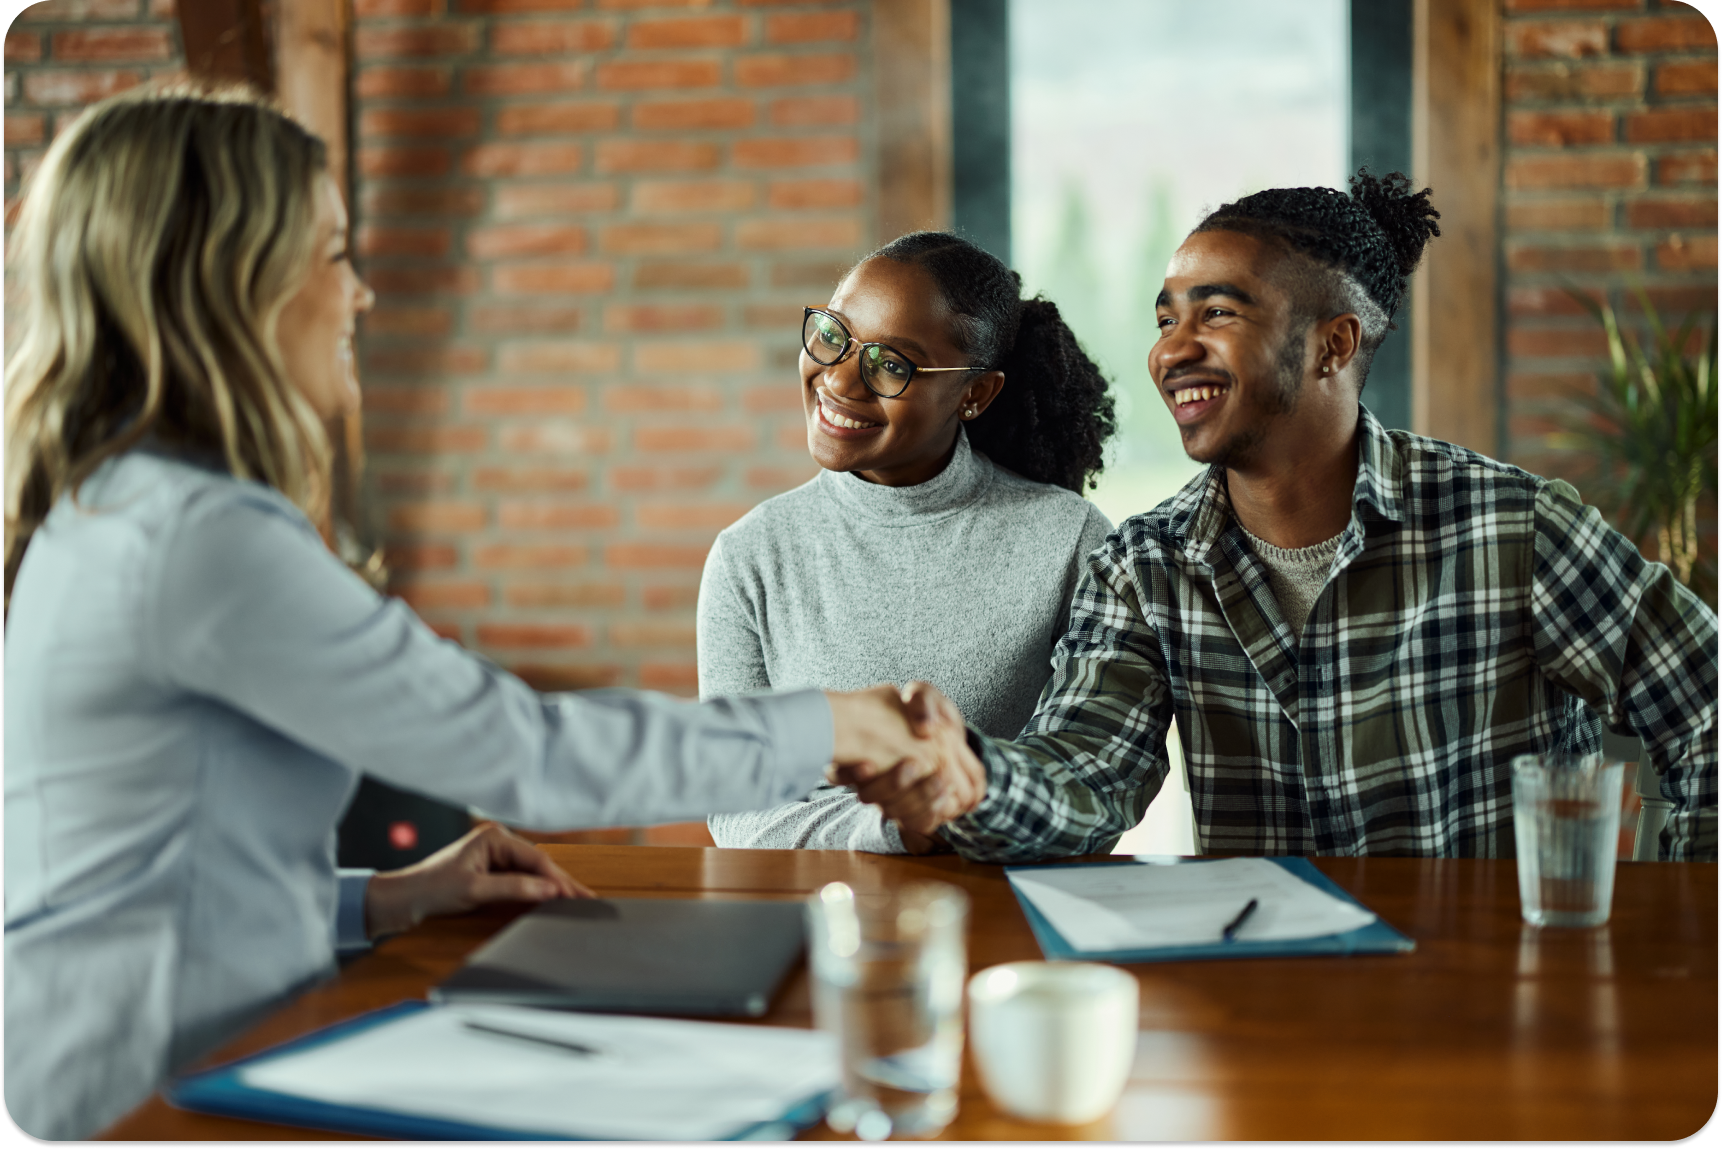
(1054, 415)
(1360, 248)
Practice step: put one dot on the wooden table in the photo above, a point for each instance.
(1489, 1030)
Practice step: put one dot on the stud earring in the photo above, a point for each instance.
(968, 412)
(1325, 369)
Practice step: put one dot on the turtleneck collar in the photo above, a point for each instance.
(964, 479)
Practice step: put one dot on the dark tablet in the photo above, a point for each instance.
(636, 955)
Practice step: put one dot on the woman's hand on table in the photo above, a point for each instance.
(490, 864)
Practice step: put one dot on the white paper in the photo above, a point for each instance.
(651, 1078)
(1128, 907)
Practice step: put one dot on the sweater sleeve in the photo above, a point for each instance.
(731, 653)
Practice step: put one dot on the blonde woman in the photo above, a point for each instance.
(194, 681)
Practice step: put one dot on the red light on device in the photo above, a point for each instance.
(403, 835)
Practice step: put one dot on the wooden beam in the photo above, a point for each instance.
(912, 74)
(1456, 150)
(311, 66)
(227, 40)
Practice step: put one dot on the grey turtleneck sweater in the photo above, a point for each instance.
(964, 581)
(1296, 576)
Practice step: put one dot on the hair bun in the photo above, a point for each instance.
(1405, 216)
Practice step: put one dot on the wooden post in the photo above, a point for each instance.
(912, 74)
(227, 40)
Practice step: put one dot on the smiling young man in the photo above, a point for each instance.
(1354, 629)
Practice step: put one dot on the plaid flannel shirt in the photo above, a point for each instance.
(1472, 613)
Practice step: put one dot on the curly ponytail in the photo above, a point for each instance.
(1054, 415)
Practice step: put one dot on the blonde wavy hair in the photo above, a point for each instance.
(154, 251)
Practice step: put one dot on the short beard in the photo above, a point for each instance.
(1240, 450)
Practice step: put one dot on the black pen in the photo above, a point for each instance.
(1237, 923)
(570, 1046)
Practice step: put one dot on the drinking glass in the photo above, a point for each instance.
(888, 971)
(1566, 822)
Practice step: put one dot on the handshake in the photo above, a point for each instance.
(906, 752)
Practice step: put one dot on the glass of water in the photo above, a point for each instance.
(1566, 820)
(888, 973)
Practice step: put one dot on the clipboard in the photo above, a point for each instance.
(223, 1092)
(1375, 938)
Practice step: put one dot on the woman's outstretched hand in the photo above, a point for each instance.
(490, 864)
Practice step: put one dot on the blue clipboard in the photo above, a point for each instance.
(1375, 938)
(222, 1092)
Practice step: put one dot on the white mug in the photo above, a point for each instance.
(1053, 1041)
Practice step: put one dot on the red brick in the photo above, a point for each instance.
(366, 9)
(1667, 212)
(553, 279)
(652, 634)
(1564, 81)
(795, 151)
(444, 629)
(383, 83)
(76, 87)
(383, 160)
(442, 595)
(1526, 385)
(808, 111)
(516, 200)
(412, 399)
(689, 516)
(518, 239)
(557, 678)
(689, 32)
(1660, 125)
(437, 515)
(408, 321)
(1544, 301)
(1665, 34)
(23, 46)
(1677, 301)
(25, 131)
(717, 112)
(731, 355)
(423, 361)
(555, 437)
(524, 320)
(425, 241)
(562, 355)
(791, 436)
(637, 75)
(626, 556)
(811, 27)
(1534, 426)
(113, 45)
(690, 275)
(1687, 253)
(530, 635)
(1558, 129)
(566, 594)
(643, 317)
(672, 677)
(669, 197)
(1572, 38)
(523, 79)
(412, 482)
(655, 156)
(557, 516)
(521, 159)
(1545, 343)
(384, 202)
(78, 11)
(561, 400)
(507, 556)
(426, 440)
(779, 71)
(1597, 257)
(511, 7)
(780, 478)
(529, 479)
(773, 316)
(661, 238)
(669, 597)
(656, 478)
(1562, 5)
(440, 122)
(1687, 78)
(775, 398)
(1687, 168)
(421, 556)
(554, 119)
(1560, 215)
(624, 4)
(440, 39)
(1582, 170)
(389, 281)
(704, 438)
(636, 398)
(782, 234)
(547, 39)
(792, 194)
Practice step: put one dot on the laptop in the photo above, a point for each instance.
(636, 955)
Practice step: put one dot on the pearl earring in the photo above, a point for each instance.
(1324, 369)
(968, 412)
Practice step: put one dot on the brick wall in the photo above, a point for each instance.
(591, 228)
(1610, 174)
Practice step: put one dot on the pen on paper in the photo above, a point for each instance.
(559, 1043)
(1237, 923)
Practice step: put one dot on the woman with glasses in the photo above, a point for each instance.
(956, 424)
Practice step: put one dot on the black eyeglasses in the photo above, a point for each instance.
(886, 371)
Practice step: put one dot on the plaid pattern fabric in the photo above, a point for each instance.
(1473, 611)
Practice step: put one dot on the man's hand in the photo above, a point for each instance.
(490, 864)
(936, 779)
